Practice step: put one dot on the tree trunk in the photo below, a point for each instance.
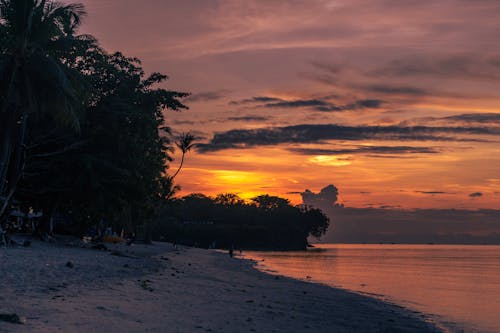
(5, 154)
(8, 116)
(14, 150)
(180, 166)
(6, 126)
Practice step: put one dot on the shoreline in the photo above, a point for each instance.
(436, 322)
(159, 289)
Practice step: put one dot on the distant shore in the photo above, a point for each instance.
(157, 288)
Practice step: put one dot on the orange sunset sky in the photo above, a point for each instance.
(396, 103)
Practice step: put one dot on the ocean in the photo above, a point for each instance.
(457, 285)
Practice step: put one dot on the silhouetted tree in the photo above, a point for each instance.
(228, 199)
(123, 152)
(269, 202)
(264, 222)
(82, 132)
(185, 143)
(35, 37)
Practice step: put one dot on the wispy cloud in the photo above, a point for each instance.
(333, 75)
(256, 99)
(478, 119)
(366, 150)
(249, 118)
(205, 96)
(387, 89)
(492, 118)
(322, 104)
(455, 66)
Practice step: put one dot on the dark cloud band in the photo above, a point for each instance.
(318, 104)
(316, 133)
(367, 149)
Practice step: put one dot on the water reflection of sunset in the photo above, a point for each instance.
(438, 279)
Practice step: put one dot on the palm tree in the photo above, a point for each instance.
(37, 45)
(185, 143)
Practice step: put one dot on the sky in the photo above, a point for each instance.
(396, 103)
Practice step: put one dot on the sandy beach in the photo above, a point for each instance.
(156, 288)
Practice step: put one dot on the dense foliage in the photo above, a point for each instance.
(82, 131)
(266, 222)
(83, 140)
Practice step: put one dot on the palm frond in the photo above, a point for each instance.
(58, 92)
(186, 142)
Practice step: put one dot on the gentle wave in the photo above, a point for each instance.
(459, 284)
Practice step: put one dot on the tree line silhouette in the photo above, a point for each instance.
(226, 221)
(83, 137)
(81, 130)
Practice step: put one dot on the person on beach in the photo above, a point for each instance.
(231, 251)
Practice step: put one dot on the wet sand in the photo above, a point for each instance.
(157, 288)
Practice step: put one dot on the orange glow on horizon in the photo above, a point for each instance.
(346, 65)
(325, 160)
(424, 181)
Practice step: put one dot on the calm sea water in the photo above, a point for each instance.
(458, 284)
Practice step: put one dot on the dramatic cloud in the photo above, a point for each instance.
(246, 138)
(427, 73)
(326, 197)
